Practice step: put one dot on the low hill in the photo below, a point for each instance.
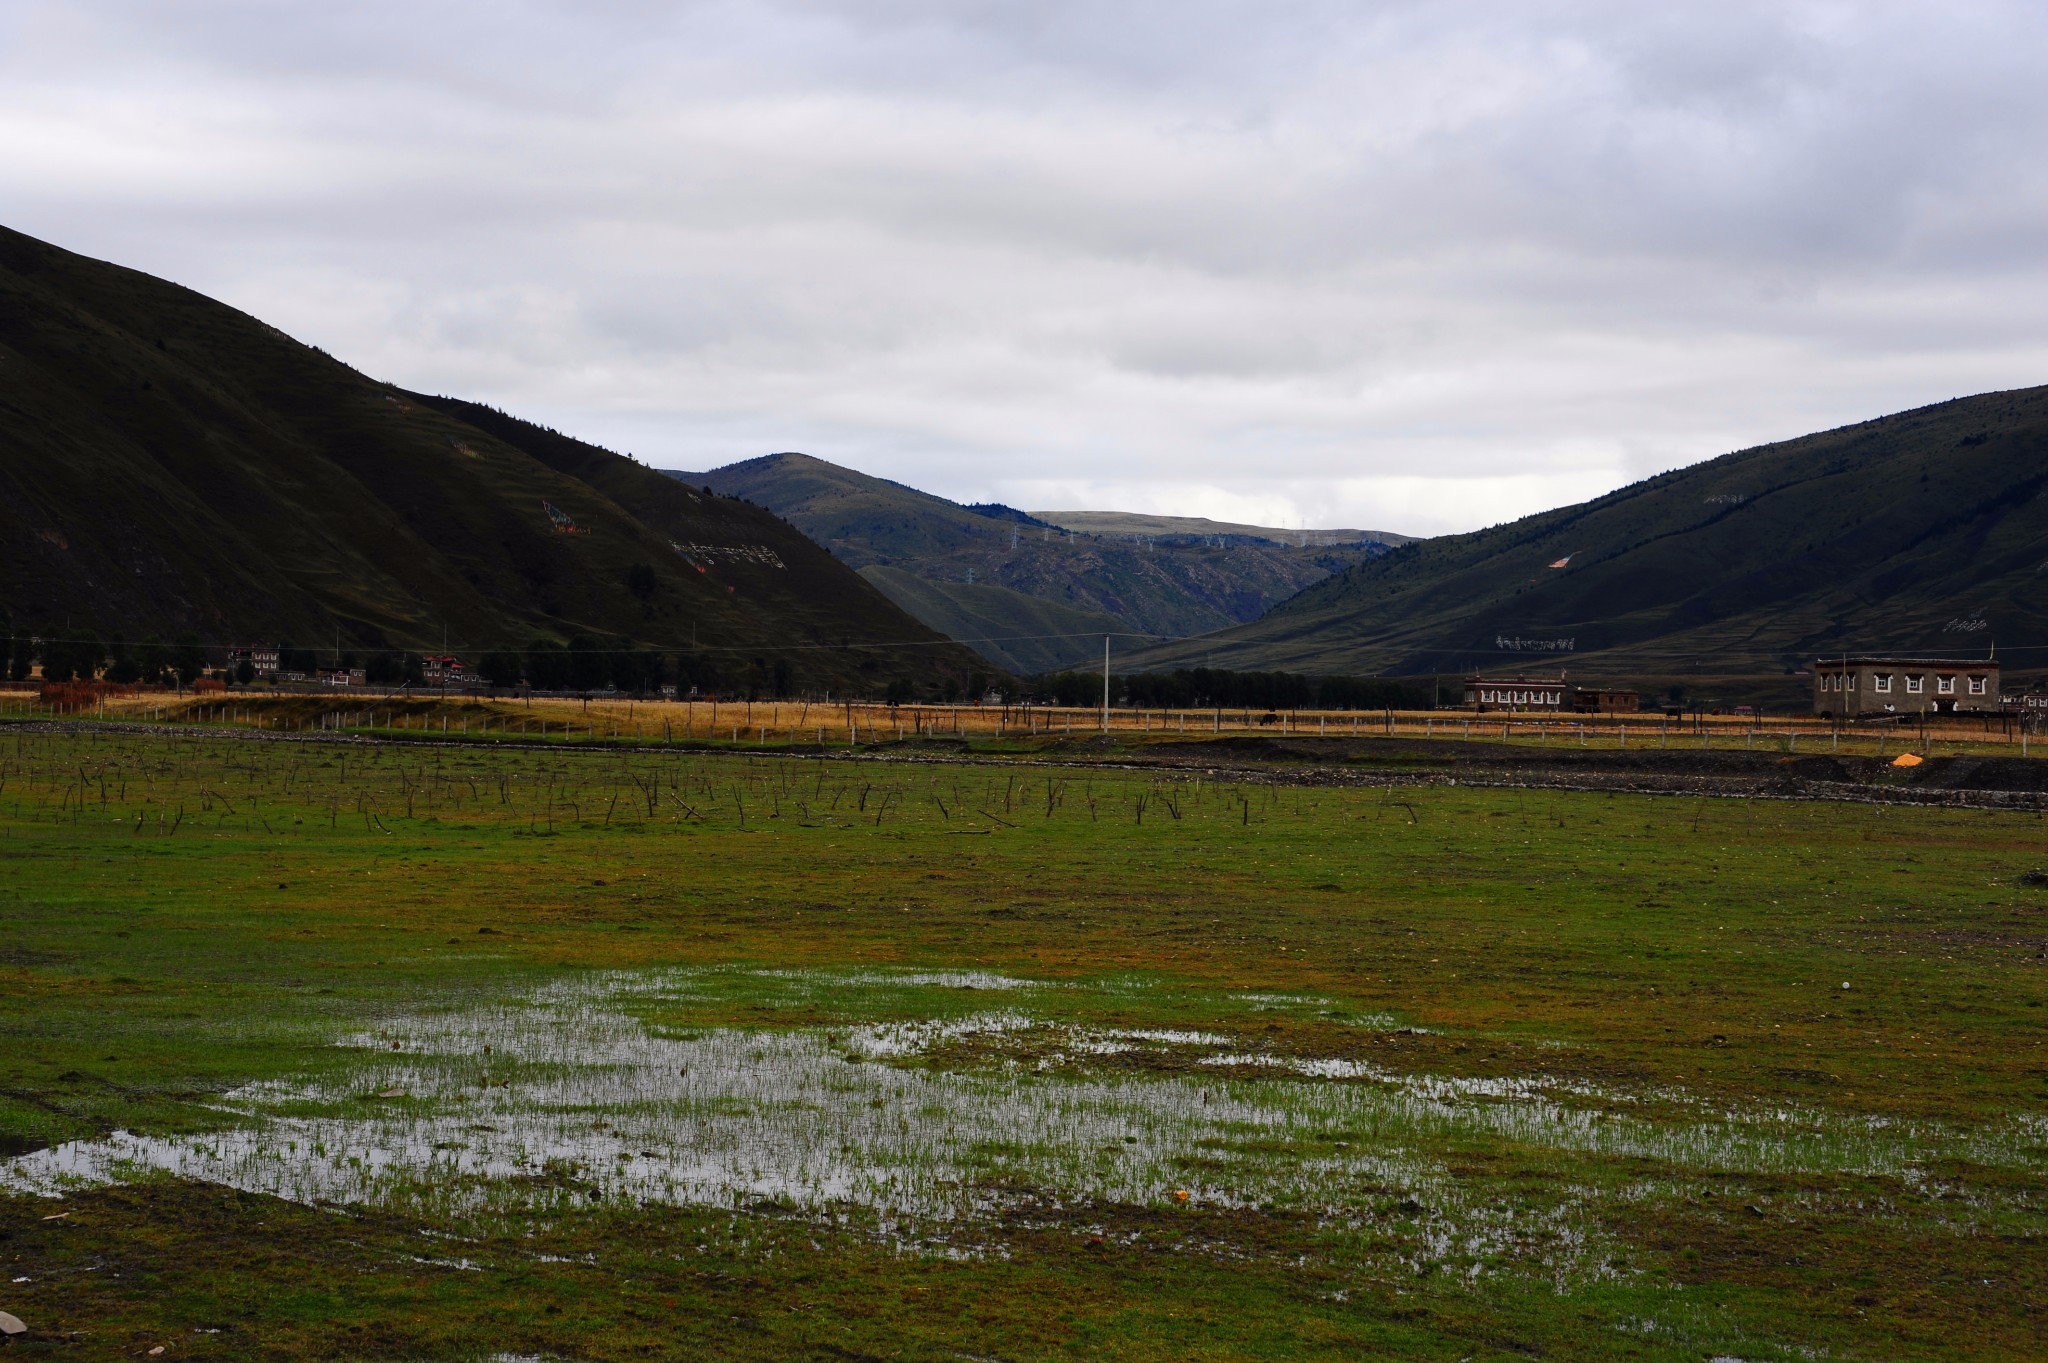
(1168, 589)
(1022, 634)
(1131, 525)
(1921, 532)
(171, 465)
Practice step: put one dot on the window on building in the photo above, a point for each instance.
(1915, 685)
(1882, 683)
(1977, 686)
(1945, 685)
(1848, 681)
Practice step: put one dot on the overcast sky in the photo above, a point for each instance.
(1406, 266)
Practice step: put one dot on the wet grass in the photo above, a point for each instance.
(1526, 1072)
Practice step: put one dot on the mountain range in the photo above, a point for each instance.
(1922, 532)
(1030, 593)
(170, 465)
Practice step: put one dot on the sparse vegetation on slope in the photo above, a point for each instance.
(1135, 525)
(1172, 586)
(171, 465)
(1023, 634)
(1921, 532)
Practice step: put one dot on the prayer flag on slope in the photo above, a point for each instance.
(1566, 559)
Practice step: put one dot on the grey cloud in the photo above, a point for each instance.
(1447, 255)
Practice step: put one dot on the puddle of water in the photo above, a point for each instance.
(566, 1096)
(907, 979)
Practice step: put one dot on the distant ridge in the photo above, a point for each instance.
(996, 511)
(941, 559)
(1925, 531)
(1130, 525)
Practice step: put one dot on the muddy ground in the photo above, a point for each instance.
(1977, 781)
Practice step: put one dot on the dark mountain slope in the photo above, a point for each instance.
(1923, 531)
(798, 588)
(1019, 633)
(1179, 586)
(169, 464)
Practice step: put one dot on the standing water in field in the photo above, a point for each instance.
(596, 1089)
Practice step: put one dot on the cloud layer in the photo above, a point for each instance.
(1413, 266)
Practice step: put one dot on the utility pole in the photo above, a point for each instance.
(1105, 683)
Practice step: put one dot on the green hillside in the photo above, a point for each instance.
(1925, 531)
(1171, 588)
(1019, 633)
(171, 465)
(1135, 525)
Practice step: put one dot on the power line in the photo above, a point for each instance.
(648, 648)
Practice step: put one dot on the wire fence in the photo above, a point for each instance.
(858, 723)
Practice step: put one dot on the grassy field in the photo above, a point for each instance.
(346, 1049)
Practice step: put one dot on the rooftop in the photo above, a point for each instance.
(1900, 660)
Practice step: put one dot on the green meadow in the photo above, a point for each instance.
(327, 1048)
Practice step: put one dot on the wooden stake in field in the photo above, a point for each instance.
(1105, 683)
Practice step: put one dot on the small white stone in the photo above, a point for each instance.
(11, 1324)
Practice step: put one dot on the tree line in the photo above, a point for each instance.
(83, 656)
(1210, 688)
(580, 663)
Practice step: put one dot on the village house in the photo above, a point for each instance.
(443, 670)
(1850, 686)
(262, 662)
(1605, 700)
(1516, 693)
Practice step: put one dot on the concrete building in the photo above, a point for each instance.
(1850, 686)
(1517, 693)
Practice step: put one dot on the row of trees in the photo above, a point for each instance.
(583, 663)
(67, 655)
(586, 663)
(1207, 687)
